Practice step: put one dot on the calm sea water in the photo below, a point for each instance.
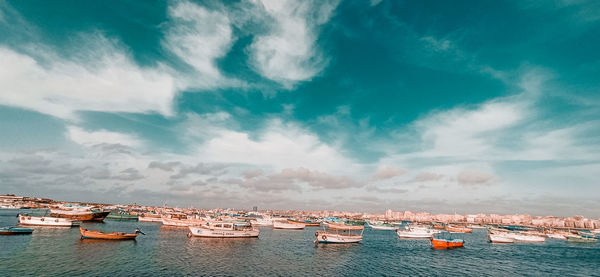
(167, 251)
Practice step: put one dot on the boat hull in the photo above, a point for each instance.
(328, 237)
(90, 234)
(215, 233)
(73, 215)
(44, 221)
(15, 231)
(453, 229)
(446, 244)
(499, 238)
(288, 226)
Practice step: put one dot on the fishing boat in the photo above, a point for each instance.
(44, 221)
(439, 226)
(182, 220)
(556, 236)
(223, 229)
(439, 243)
(339, 233)
(381, 226)
(523, 237)
(458, 229)
(262, 222)
(90, 234)
(121, 215)
(6, 231)
(149, 217)
(306, 223)
(581, 238)
(499, 237)
(280, 224)
(416, 232)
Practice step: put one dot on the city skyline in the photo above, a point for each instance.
(337, 105)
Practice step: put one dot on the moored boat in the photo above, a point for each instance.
(15, 231)
(381, 226)
(44, 221)
(181, 220)
(339, 234)
(581, 238)
(91, 234)
(439, 243)
(306, 223)
(223, 229)
(556, 236)
(149, 217)
(523, 237)
(262, 221)
(458, 229)
(416, 232)
(280, 224)
(121, 215)
(499, 237)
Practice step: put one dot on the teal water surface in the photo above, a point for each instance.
(167, 251)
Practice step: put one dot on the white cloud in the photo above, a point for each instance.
(198, 37)
(108, 80)
(279, 145)
(83, 137)
(288, 53)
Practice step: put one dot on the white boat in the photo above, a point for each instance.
(499, 237)
(262, 222)
(381, 226)
(181, 220)
(339, 233)
(44, 221)
(279, 224)
(149, 217)
(521, 237)
(223, 229)
(416, 233)
(556, 236)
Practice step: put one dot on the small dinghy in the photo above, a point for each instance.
(7, 231)
(90, 234)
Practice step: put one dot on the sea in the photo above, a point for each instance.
(167, 251)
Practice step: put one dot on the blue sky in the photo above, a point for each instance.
(477, 106)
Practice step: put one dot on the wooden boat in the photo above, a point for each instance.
(44, 221)
(524, 237)
(499, 237)
(581, 238)
(90, 234)
(307, 223)
(149, 217)
(458, 229)
(416, 232)
(223, 229)
(181, 220)
(438, 243)
(339, 234)
(381, 226)
(73, 214)
(15, 231)
(342, 226)
(280, 224)
(439, 226)
(121, 215)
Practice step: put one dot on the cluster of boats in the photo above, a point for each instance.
(524, 235)
(334, 230)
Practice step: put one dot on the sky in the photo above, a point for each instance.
(437, 106)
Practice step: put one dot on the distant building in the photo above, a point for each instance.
(255, 208)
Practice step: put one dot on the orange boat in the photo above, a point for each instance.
(305, 223)
(446, 243)
(458, 229)
(438, 226)
(90, 234)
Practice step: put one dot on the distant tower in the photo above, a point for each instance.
(388, 213)
(255, 208)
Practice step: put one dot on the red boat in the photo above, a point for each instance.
(446, 243)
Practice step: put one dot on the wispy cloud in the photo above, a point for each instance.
(288, 52)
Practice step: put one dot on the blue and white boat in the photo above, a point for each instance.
(15, 231)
